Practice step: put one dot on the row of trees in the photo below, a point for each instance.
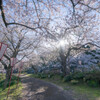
(25, 23)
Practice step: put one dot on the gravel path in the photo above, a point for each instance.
(36, 89)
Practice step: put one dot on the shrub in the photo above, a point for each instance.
(94, 51)
(99, 53)
(50, 75)
(78, 76)
(95, 75)
(75, 76)
(41, 75)
(74, 81)
(88, 53)
(96, 57)
(38, 76)
(61, 76)
(93, 78)
(93, 83)
(67, 78)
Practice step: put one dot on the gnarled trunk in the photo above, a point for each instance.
(64, 62)
(8, 73)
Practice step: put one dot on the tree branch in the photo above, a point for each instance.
(4, 64)
(7, 57)
(2, 13)
(23, 25)
(82, 46)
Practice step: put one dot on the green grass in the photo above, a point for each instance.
(14, 93)
(79, 89)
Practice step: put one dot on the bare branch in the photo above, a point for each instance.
(4, 64)
(23, 25)
(2, 13)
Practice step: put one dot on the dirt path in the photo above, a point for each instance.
(35, 89)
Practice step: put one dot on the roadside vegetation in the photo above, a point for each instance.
(87, 84)
(14, 93)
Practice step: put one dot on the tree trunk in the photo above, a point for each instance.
(63, 63)
(67, 66)
(65, 69)
(8, 72)
(63, 59)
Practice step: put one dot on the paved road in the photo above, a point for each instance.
(35, 89)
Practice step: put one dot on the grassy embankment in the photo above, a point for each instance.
(93, 93)
(14, 93)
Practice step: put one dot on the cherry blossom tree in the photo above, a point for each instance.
(20, 46)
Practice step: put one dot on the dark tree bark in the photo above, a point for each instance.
(8, 73)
